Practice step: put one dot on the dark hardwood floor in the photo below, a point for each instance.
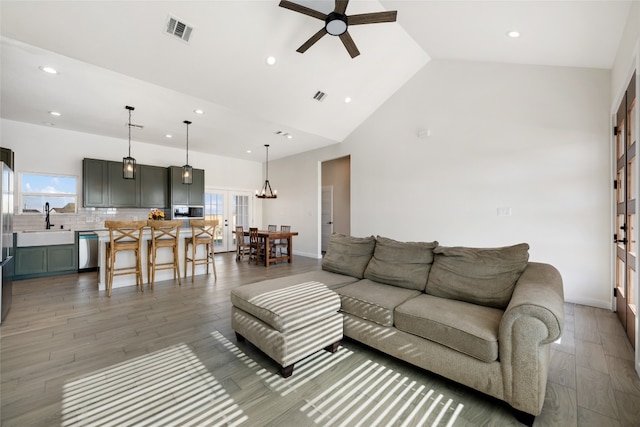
(69, 354)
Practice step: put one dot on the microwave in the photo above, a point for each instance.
(184, 212)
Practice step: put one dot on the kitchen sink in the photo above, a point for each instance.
(45, 238)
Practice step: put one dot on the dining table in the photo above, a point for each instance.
(268, 237)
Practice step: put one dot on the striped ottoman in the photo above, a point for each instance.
(287, 322)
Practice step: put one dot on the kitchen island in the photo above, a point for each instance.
(127, 258)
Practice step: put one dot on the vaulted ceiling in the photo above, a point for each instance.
(109, 54)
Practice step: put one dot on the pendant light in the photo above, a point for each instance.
(129, 163)
(266, 192)
(187, 170)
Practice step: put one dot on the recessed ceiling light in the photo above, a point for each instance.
(271, 60)
(49, 70)
(347, 100)
(289, 136)
(249, 151)
(168, 136)
(513, 34)
(198, 111)
(55, 113)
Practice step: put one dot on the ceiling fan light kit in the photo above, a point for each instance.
(337, 23)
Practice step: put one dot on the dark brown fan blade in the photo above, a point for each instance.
(314, 38)
(341, 6)
(347, 41)
(302, 9)
(372, 18)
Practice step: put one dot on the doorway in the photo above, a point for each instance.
(335, 209)
(626, 189)
(230, 208)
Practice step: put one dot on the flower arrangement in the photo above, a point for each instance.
(156, 214)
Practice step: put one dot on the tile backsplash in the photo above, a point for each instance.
(85, 219)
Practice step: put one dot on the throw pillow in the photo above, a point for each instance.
(403, 264)
(348, 255)
(480, 276)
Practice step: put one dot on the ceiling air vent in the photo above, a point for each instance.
(179, 29)
(319, 96)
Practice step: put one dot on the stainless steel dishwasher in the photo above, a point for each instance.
(87, 251)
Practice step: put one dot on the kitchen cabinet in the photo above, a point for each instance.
(104, 187)
(186, 194)
(154, 188)
(7, 156)
(123, 193)
(42, 261)
(30, 261)
(95, 183)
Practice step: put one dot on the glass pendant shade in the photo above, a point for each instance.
(187, 174)
(187, 169)
(128, 168)
(129, 163)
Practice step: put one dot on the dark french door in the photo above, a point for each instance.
(626, 186)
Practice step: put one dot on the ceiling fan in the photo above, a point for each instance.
(337, 22)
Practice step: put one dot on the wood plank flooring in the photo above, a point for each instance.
(71, 356)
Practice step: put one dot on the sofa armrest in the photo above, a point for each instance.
(533, 319)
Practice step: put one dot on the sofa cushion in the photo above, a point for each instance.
(403, 264)
(373, 301)
(468, 328)
(348, 255)
(480, 276)
(286, 307)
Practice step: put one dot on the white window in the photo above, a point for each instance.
(36, 189)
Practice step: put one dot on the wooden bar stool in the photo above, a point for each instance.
(124, 236)
(202, 233)
(164, 234)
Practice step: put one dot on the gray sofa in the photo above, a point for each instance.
(484, 318)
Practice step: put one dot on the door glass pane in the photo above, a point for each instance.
(631, 283)
(633, 132)
(620, 273)
(619, 229)
(214, 209)
(631, 184)
(620, 192)
(631, 234)
(620, 140)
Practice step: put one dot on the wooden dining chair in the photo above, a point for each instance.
(273, 242)
(242, 245)
(256, 246)
(164, 234)
(283, 243)
(124, 236)
(202, 233)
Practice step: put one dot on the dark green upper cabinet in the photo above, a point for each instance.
(196, 190)
(183, 194)
(154, 191)
(95, 183)
(7, 156)
(123, 193)
(104, 187)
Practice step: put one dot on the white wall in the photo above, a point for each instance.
(58, 151)
(532, 138)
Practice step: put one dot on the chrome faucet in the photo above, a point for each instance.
(47, 220)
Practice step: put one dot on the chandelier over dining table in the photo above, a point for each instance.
(267, 192)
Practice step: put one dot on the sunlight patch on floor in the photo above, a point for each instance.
(374, 395)
(168, 387)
